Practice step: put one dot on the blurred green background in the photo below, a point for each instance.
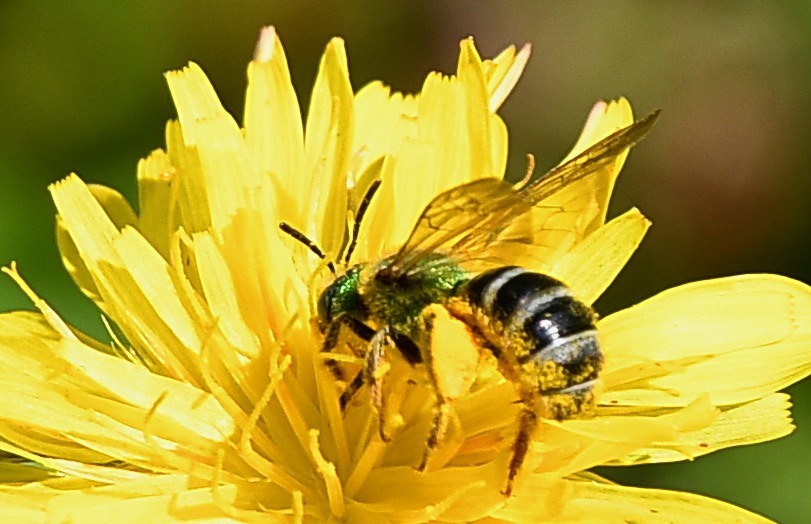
(724, 175)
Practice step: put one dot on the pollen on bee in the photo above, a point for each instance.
(563, 406)
(453, 354)
(550, 375)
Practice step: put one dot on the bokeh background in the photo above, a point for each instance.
(724, 175)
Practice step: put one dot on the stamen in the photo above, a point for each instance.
(262, 402)
(171, 458)
(216, 494)
(294, 415)
(335, 493)
(298, 507)
(120, 349)
(435, 511)
(331, 409)
(341, 358)
(50, 315)
(370, 456)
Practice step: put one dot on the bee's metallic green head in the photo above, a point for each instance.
(342, 296)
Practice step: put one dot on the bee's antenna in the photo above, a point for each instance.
(312, 246)
(364, 205)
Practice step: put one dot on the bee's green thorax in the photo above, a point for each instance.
(400, 303)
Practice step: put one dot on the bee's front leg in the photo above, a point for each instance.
(332, 337)
(377, 367)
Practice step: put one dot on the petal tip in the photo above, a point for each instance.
(265, 45)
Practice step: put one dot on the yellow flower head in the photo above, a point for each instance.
(213, 401)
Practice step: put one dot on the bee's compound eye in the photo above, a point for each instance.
(341, 297)
(325, 305)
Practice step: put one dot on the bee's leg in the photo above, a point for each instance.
(442, 406)
(377, 366)
(443, 413)
(527, 423)
(451, 368)
(351, 389)
(331, 339)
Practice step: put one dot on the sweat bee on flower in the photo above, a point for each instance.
(543, 339)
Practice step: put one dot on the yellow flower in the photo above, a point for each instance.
(211, 401)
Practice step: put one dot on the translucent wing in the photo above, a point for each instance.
(593, 159)
(455, 215)
(474, 218)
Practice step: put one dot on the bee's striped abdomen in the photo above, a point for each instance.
(549, 337)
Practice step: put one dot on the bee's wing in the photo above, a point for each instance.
(474, 210)
(593, 159)
(472, 219)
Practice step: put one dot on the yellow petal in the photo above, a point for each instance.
(225, 163)
(164, 498)
(502, 73)
(182, 413)
(446, 495)
(594, 263)
(273, 127)
(23, 504)
(221, 296)
(583, 501)
(604, 119)
(458, 140)
(74, 264)
(736, 338)
(328, 141)
(74, 394)
(577, 445)
(194, 213)
(477, 114)
(129, 272)
(158, 191)
(752, 423)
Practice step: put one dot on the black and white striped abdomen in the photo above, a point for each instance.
(541, 329)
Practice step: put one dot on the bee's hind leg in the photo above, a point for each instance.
(443, 414)
(527, 423)
(451, 360)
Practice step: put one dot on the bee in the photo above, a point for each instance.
(542, 337)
